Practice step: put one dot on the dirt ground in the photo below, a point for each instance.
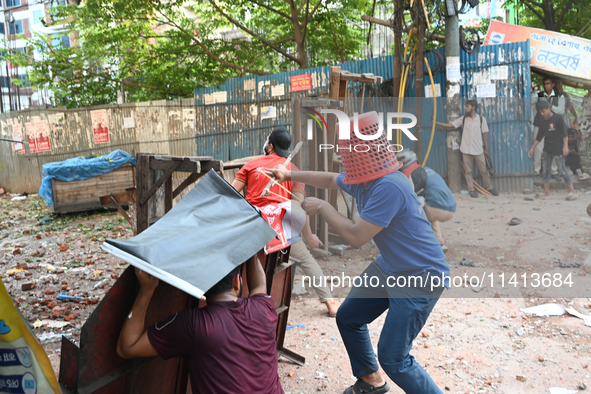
(469, 345)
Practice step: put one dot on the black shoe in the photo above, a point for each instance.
(473, 194)
(493, 192)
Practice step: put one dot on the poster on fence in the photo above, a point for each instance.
(100, 126)
(17, 135)
(552, 52)
(301, 82)
(42, 136)
(31, 136)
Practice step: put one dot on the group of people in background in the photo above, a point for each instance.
(555, 137)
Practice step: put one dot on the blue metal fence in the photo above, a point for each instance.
(232, 126)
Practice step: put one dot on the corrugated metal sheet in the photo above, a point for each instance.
(161, 127)
(509, 113)
(244, 134)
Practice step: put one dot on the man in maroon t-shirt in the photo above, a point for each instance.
(229, 344)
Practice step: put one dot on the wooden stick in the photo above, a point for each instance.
(287, 161)
(426, 16)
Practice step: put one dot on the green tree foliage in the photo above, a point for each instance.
(163, 50)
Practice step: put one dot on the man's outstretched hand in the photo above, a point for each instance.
(281, 173)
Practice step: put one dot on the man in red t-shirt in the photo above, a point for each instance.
(276, 149)
(229, 344)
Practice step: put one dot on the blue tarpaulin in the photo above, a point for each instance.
(80, 168)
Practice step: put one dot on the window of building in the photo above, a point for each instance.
(62, 2)
(61, 42)
(13, 3)
(37, 15)
(16, 27)
(2, 31)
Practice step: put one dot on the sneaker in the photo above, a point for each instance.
(493, 192)
(473, 194)
(557, 177)
(583, 176)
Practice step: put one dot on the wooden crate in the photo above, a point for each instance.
(84, 195)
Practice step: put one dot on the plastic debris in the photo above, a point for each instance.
(45, 220)
(545, 310)
(560, 390)
(18, 198)
(294, 326)
(50, 338)
(68, 297)
(102, 283)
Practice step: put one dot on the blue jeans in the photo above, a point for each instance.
(559, 160)
(404, 321)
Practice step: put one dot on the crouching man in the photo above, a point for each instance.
(230, 344)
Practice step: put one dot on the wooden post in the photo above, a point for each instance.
(296, 129)
(168, 194)
(143, 175)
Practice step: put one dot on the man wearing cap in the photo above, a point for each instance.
(276, 149)
(391, 214)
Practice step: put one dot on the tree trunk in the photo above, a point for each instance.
(585, 129)
(299, 36)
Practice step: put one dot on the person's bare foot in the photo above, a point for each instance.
(546, 192)
(332, 306)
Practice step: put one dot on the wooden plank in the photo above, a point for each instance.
(168, 194)
(121, 211)
(184, 165)
(190, 179)
(346, 76)
(172, 167)
(119, 197)
(143, 180)
(216, 165)
(188, 164)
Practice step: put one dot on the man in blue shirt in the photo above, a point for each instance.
(391, 214)
(440, 204)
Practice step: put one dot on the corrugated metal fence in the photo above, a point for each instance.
(507, 68)
(159, 127)
(232, 121)
(234, 126)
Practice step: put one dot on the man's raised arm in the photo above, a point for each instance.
(322, 180)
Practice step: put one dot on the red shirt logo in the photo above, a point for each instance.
(551, 127)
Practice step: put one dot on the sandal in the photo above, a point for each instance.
(362, 387)
(514, 222)
(572, 196)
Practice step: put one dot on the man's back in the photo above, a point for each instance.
(230, 345)
(256, 182)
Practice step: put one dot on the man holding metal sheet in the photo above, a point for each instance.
(252, 176)
(391, 214)
(230, 343)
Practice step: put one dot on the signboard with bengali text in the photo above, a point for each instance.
(550, 52)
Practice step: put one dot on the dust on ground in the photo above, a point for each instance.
(469, 345)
